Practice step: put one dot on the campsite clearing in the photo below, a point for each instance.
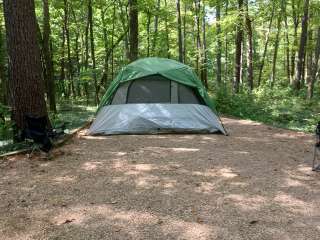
(254, 184)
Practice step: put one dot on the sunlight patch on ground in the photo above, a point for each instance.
(64, 179)
(294, 204)
(247, 203)
(91, 165)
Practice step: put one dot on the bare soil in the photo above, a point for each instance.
(254, 184)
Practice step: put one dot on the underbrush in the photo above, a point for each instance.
(280, 107)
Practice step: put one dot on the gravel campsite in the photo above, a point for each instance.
(255, 183)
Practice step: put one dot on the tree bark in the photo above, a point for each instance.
(155, 32)
(3, 77)
(275, 53)
(266, 45)
(238, 54)
(167, 32)
(219, 43)
(204, 70)
(133, 29)
(47, 52)
(148, 32)
(303, 41)
(25, 73)
(197, 4)
(315, 67)
(249, 48)
(179, 31)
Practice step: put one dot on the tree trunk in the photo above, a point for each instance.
(133, 29)
(25, 73)
(275, 53)
(93, 57)
(155, 33)
(185, 34)
(197, 4)
(285, 18)
(148, 32)
(219, 43)
(238, 54)
(204, 70)
(3, 77)
(47, 52)
(315, 67)
(62, 63)
(266, 45)
(179, 31)
(249, 48)
(167, 31)
(303, 42)
(226, 45)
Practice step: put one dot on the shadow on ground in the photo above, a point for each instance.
(254, 184)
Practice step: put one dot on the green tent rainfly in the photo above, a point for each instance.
(156, 95)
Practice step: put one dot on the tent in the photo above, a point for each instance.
(156, 95)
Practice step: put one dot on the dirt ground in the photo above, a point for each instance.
(254, 184)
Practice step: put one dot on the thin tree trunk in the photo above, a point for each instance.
(62, 63)
(133, 29)
(285, 18)
(275, 53)
(25, 73)
(179, 31)
(185, 34)
(315, 67)
(249, 48)
(66, 27)
(112, 40)
(204, 70)
(155, 33)
(266, 45)
(167, 32)
(197, 4)
(219, 43)
(93, 58)
(303, 42)
(47, 51)
(226, 45)
(148, 32)
(238, 54)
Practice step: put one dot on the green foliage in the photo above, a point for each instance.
(278, 107)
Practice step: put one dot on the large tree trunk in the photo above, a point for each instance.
(314, 67)
(249, 48)
(133, 29)
(47, 52)
(238, 54)
(179, 31)
(3, 77)
(303, 43)
(219, 43)
(266, 45)
(25, 73)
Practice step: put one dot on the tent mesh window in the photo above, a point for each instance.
(155, 89)
(120, 96)
(188, 96)
(152, 89)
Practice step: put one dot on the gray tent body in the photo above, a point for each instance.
(155, 104)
